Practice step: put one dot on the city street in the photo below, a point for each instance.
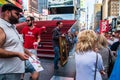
(63, 73)
(67, 30)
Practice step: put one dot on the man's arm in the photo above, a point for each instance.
(8, 54)
(4, 53)
(27, 52)
(38, 38)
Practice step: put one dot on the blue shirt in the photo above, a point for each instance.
(85, 65)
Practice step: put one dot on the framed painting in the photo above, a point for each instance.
(63, 51)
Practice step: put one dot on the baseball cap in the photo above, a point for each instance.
(10, 7)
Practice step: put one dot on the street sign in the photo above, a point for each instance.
(104, 26)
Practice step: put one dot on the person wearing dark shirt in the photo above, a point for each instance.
(56, 33)
(116, 69)
(114, 47)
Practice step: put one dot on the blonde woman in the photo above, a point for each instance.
(85, 57)
(103, 49)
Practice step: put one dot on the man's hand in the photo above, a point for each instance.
(35, 45)
(102, 72)
(63, 35)
(23, 56)
(114, 53)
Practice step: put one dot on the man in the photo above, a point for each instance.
(31, 35)
(114, 47)
(55, 39)
(12, 53)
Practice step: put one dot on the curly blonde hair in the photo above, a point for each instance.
(86, 41)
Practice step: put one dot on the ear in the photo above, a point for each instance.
(7, 13)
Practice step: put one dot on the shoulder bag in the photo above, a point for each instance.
(96, 66)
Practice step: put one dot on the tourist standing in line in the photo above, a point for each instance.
(115, 75)
(105, 52)
(89, 64)
(12, 52)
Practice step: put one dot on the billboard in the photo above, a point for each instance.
(104, 26)
(60, 3)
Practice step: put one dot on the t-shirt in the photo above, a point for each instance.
(85, 65)
(30, 36)
(115, 46)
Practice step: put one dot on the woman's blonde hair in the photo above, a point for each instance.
(102, 41)
(86, 41)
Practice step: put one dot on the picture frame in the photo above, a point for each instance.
(63, 50)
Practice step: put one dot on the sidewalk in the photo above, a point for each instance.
(63, 73)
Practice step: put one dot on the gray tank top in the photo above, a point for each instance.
(12, 43)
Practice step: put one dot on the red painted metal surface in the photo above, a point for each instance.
(46, 24)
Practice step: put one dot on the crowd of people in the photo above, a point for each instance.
(106, 46)
(92, 49)
(93, 52)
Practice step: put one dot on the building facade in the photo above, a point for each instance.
(43, 9)
(69, 9)
(42, 4)
(97, 14)
(104, 9)
(30, 8)
(113, 8)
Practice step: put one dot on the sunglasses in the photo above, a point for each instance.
(17, 14)
(27, 20)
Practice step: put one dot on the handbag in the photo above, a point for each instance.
(96, 66)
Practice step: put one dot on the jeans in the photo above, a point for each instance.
(57, 56)
(10, 76)
(29, 67)
(33, 51)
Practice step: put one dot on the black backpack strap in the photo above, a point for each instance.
(96, 66)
